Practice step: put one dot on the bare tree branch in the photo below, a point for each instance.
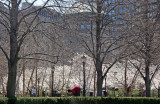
(41, 60)
(5, 53)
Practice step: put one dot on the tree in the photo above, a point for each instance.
(95, 29)
(145, 39)
(13, 19)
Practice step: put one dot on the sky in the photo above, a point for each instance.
(65, 4)
(41, 2)
(37, 3)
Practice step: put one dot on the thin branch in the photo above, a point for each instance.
(138, 68)
(5, 53)
(41, 60)
(109, 68)
(154, 73)
(5, 14)
(31, 4)
(38, 10)
(4, 25)
(37, 54)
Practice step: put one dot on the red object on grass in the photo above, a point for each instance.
(75, 90)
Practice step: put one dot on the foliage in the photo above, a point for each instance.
(80, 100)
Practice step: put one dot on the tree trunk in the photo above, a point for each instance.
(17, 81)
(99, 83)
(125, 79)
(99, 79)
(147, 82)
(23, 77)
(36, 81)
(30, 79)
(3, 87)
(98, 63)
(11, 87)
(148, 42)
(43, 79)
(94, 82)
(12, 63)
(148, 88)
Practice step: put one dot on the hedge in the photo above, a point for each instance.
(79, 100)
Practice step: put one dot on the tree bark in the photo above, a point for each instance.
(12, 80)
(99, 83)
(125, 79)
(30, 79)
(23, 77)
(12, 63)
(99, 80)
(94, 82)
(148, 39)
(98, 63)
(147, 82)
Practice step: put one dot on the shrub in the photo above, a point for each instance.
(79, 100)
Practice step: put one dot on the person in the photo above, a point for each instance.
(33, 92)
(43, 93)
(29, 92)
(144, 93)
(75, 91)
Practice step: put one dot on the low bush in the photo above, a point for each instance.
(79, 100)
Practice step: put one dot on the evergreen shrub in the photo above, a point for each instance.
(80, 100)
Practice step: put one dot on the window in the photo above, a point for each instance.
(124, 9)
(94, 26)
(82, 26)
(138, 9)
(120, 22)
(85, 0)
(116, 11)
(88, 26)
(55, 16)
(88, 34)
(112, 28)
(83, 48)
(120, 16)
(154, 6)
(105, 2)
(132, 7)
(120, 10)
(117, 22)
(112, 11)
(133, 25)
(107, 28)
